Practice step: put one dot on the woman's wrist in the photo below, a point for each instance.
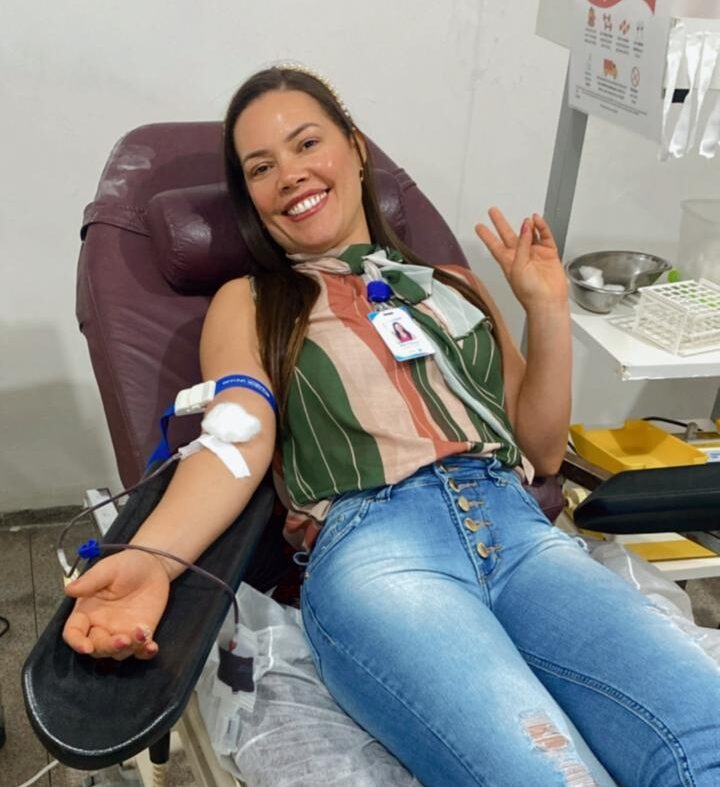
(549, 342)
(171, 567)
(555, 311)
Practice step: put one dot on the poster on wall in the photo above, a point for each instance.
(617, 61)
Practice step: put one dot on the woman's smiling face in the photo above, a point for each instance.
(302, 173)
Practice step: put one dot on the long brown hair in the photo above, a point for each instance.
(285, 297)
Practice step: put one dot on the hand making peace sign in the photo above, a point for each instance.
(530, 261)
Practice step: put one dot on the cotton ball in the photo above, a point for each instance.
(613, 288)
(590, 275)
(231, 423)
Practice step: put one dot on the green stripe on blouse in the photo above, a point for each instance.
(490, 391)
(326, 451)
(434, 403)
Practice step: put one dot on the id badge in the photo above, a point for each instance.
(403, 337)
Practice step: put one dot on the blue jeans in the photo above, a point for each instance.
(451, 620)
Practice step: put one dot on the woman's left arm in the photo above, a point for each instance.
(537, 390)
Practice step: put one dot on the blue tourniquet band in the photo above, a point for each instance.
(243, 381)
(162, 451)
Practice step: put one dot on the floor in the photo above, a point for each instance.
(29, 593)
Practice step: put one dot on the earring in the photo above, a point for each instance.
(362, 175)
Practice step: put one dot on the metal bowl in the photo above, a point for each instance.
(595, 299)
(629, 269)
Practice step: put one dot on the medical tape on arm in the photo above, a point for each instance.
(226, 424)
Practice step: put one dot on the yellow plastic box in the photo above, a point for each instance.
(636, 446)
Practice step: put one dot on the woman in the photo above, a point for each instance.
(445, 614)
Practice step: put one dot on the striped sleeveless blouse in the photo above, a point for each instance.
(357, 418)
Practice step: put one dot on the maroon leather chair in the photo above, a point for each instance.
(158, 240)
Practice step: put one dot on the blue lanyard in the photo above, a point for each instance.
(162, 450)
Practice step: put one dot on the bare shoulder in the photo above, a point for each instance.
(234, 294)
(233, 303)
(229, 337)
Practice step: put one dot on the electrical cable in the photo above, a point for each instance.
(40, 774)
(665, 420)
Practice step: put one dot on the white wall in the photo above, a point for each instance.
(461, 93)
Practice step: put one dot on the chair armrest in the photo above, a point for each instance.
(580, 471)
(680, 499)
(92, 713)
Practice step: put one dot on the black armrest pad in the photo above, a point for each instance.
(92, 713)
(680, 499)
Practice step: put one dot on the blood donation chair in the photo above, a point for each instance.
(158, 240)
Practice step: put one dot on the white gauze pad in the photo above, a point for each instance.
(231, 423)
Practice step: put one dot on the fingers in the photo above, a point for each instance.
(97, 578)
(506, 248)
(149, 651)
(503, 245)
(101, 644)
(107, 645)
(122, 646)
(76, 631)
(144, 646)
(525, 241)
(504, 230)
(545, 236)
(97, 641)
(494, 245)
(90, 640)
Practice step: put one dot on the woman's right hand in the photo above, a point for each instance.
(120, 601)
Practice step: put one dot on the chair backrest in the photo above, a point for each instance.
(158, 240)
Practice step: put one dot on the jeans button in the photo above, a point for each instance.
(453, 484)
(483, 551)
(472, 524)
(464, 504)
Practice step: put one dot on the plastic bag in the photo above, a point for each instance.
(696, 55)
(288, 730)
(664, 594)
